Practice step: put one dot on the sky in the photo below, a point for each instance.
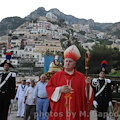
(103, 11)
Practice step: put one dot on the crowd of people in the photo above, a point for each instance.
(65, 92)
(32, 99)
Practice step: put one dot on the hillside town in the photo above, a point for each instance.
(30, 41)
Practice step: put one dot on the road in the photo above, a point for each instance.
(93, 115)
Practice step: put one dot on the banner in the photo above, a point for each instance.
(47, 61)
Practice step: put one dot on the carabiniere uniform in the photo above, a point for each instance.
(103, 97)
(102, 93)
(7, 91)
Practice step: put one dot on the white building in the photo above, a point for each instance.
(39, 27)
(18, 32)
(85, 28)
(4, 39)
(16, 52)
(56, 35)
(101, 35)
(88, 45)
(15, 43)
(117, 41)
(40, 63)
(14, 62)
(51, 16)
(54, 27)
(28, 54)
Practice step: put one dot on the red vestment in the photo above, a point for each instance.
(72, 106)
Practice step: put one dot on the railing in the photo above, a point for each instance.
(115, 109)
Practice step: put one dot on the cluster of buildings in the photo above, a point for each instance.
(30, 41)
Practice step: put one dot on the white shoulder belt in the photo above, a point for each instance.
(7, 77)
(103, 87)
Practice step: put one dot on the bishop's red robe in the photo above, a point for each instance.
(72, 106)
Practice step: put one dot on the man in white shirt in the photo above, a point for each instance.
(29, 103)
(20, 97)
(40, 97)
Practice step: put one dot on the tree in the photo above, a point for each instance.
(48, 53)
(80, 66)
(100, 53)
(65, 42)
(61, 22)
(116, 55)
(68, 39)
(82, 32)
(4, 51)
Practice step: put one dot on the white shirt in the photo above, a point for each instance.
(69, 72)
(21, 91)
(29, 93)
